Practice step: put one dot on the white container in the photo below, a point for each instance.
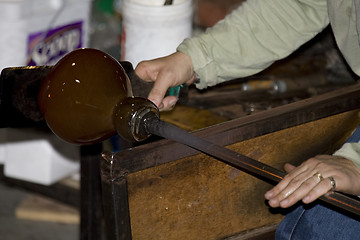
(40, 157)
(24, 25)
(39, 32)
(152, 31)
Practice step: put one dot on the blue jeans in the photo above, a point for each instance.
(319, 222)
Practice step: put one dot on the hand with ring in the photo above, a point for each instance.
(314, 178)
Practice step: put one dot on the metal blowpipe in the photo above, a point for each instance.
(87, 98)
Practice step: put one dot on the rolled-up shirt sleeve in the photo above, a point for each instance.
(252, 37)
(350, 151)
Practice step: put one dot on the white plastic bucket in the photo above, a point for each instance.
(152, 31)
(56, 25)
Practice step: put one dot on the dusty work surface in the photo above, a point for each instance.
(201, 198)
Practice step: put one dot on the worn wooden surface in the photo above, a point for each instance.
(38, 208)
(190, 118)
(199, 197)
(176, 193)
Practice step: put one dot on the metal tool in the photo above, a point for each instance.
(155, 126)
(12, 79)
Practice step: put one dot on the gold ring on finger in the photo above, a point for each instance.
(319, 176)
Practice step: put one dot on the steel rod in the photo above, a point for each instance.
(163, 129)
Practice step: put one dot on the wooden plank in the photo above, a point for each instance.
(38, 208)
(307, 110)
(198, 197)
(176, 193)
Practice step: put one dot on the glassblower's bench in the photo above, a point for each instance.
(165, 190)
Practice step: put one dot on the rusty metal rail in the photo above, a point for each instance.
(156, 126)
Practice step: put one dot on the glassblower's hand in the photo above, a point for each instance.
(166, 72)
(314, 178)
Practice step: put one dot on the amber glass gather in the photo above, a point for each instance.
(80, 94)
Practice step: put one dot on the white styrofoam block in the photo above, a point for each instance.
(39, 157)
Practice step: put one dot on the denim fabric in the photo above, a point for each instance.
(355, 137)
(319, 222)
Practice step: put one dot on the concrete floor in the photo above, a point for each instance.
(12, 228)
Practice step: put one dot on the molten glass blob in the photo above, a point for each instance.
(87, 98)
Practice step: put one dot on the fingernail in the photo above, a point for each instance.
(172, 102)
(284, 203)
(273, 202)
(154, 101)
(268, 194)
(161, 106)
(306, 199)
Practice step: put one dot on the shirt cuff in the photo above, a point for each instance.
(350, 151)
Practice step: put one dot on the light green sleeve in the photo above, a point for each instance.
(252, 37)
(344, 18)
(350, 151)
